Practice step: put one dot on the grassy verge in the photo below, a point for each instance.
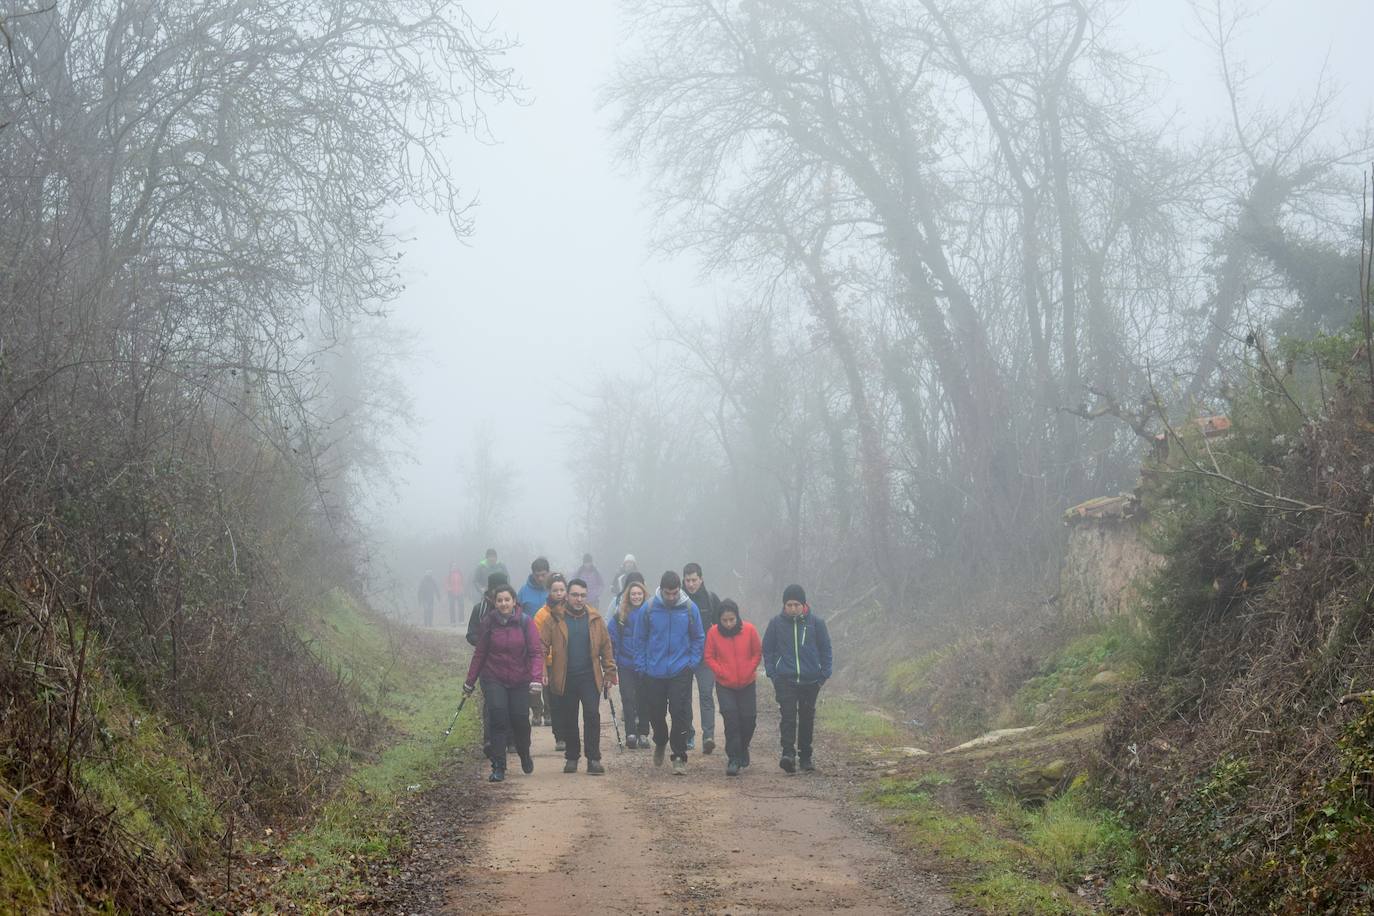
(327, 864)
(1009, 859)
(1009, 824)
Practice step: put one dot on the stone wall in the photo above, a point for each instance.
(1105, 563)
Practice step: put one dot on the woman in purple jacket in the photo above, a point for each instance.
(510, 662)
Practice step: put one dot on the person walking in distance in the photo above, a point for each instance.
(558, 596)
(624, 617)
(428, 593)
(582, 665)
(509, 661)
(668, 647)
(481, 578)
(589, 574)
(627, 566)
(455, 593)
(708, 606)
(733, 650)
(797, 659)
(533, 595)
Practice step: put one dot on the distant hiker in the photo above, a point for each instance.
(510, 662)
(627, 566)
(428, 594)
(480, 609)
(581, 665)
(624, 618)
(534, 594)
(455, 593)
(589, 574)
(668, 649)
(708, 605)
(796, 657)
(733, 650)
(490, 564)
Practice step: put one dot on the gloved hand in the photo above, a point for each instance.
(468, 689)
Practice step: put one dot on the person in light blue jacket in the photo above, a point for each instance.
(668, 646)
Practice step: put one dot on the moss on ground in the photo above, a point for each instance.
(1064, 693)
(839, 715)
(356, 825)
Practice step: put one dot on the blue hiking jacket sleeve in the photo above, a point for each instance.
(771, 650)
(797, 649)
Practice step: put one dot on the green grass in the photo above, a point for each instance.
(1008, 892)
(144, 769)
(1016, 860)
(418, 700)
(1063, 691)
(31, 876)
(842, 716)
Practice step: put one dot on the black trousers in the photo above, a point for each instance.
(740, 710)
(632, 703)
(662, 696)
(579, 690)
(453, 604)
(507, 714)
(429, 612)
(797, 704)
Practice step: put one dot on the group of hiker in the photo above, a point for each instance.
(546, 656)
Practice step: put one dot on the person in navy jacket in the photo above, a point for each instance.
(796, 658)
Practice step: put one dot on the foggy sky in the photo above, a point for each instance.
(556, 285)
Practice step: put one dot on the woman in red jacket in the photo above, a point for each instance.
(733, 652)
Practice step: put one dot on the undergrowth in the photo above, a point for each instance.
(1012, 859)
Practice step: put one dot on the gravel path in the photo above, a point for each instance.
(639, 840)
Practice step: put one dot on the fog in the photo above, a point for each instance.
(560, 281)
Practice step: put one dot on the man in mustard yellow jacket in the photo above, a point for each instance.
(581, 665)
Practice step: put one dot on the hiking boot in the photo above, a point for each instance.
(788, 763)
(496, 775)
(679, 768)
(645, 743)
(732, 768)
(594, 768)
(807, 766)
(570, 766)
(708, 744)
(631, 742)
(744, 761)
(527, 763)
(560, 745)
(659, 750)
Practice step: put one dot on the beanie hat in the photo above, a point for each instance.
(632, 577)
(497, 578)
(794, 593)
(629, 558)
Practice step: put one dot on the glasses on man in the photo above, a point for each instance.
(577, 594)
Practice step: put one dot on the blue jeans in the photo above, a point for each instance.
(706, 694)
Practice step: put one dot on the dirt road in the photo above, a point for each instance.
(639, 840)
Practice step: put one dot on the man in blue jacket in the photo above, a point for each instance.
(667, 649)
(534, 594)
(796, 658)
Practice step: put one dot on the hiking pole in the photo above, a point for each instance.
(454, 721)
(614, 720)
